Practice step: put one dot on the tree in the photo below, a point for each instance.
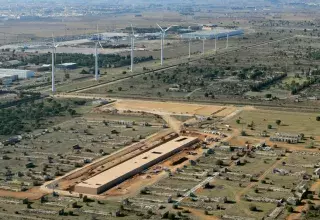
(243, 133)
(238, 121)
(318, 118)
(219, 162)
(269, 126)
(67, 76)
(253, 208)
(119, 89)
(278, 122)
(290, 209)
(268, 96)
(83, 71)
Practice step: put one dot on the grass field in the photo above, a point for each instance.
(291, 122)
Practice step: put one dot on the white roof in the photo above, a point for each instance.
(67, 64)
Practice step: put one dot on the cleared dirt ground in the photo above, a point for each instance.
(171, 108)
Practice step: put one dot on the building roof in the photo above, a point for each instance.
(219, 32)
(11, 72)
(136, 162)
(67, 64)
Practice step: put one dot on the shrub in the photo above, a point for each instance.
(290, 209)
(253, 208)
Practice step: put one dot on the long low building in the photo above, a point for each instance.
(211, 34)
(129, 168)
(21, 74)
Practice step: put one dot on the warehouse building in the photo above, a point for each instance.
(211, 34)
(67, 66)
(19, 74)
(129, 168)
(5, 80)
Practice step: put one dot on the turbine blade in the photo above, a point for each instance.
(160, 27)
(53, 40)
(101, 45)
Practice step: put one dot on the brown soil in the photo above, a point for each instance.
(31, 194)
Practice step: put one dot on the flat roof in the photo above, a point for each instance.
(135, 163)
(213, 32)
(67, 64)
(13, 71)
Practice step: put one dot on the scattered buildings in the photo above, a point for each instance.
(209, 27)
(129, 168)
(289, 138)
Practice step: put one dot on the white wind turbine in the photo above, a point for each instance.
(96, 67)
(132, 48)
(163, 33)
(189, 47)
(54, 48)
(203, 45)
(227, 41)
(215, 44)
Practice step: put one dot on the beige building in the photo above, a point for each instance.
(129, 168)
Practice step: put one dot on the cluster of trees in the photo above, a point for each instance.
(29, 116)
(297, 88)
(315, 55)
(23, 97)
(115, 46)
(142, 30)
(85, 60)
(258, 86)
(248, 73)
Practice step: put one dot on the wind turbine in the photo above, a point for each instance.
(96, 68)
(163, 33)
(227, 41)
(54, 48)
(189, 47)
(203, 42)
(215, 44)
(132, 48)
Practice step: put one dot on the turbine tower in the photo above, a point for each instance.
(203, 42)
(227, 41)
(189, 48)
(96, 67)
(132, 48)
(215, 44)
(163, 33)
(54, 48)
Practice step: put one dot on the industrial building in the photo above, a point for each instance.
(17, 74)
(5, 80)
(131, 167)
(211, 34)
(67, 66)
